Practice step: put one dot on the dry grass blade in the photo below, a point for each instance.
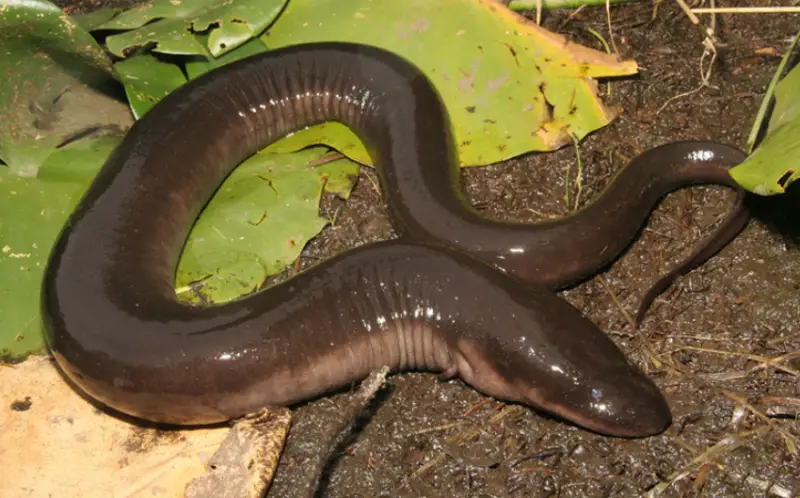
(617, 303)
(789, 439)
(578, 178)
(708, 457)
(462, 436)
(764, 361)
(651, 354)
(610, 30)
(710, 43)
(579, 175)
(438, 428)
(780, 406)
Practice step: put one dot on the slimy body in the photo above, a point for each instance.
(456, 293)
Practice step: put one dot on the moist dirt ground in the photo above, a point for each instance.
(723, 343)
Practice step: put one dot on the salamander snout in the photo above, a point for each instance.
(553, 358)
(628, 405)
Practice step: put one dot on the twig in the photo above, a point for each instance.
(571, 16)
(710, 43)
(341, 431)
(688, 11)
(374, 183)
(326, 159)
(476, 406)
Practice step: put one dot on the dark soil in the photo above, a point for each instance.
(717, 343)
(425, 437)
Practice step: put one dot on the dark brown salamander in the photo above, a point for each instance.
(117, 330)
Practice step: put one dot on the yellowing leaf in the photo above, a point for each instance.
(510, 86)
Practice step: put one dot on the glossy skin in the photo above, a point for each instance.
(393, 303)
(117, 330)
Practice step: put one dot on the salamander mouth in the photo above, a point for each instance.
(636, 419)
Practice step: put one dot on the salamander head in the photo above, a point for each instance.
(562, 363)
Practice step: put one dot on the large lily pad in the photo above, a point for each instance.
(510, 86)
(49, 69)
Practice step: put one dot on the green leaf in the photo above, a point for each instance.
(177, 22)
(775, 163)
(147, 80)
(767, 101)
(259, 221)
(510, 86)
(346, 141)
(50, 67)
(787, 100)
(198, 66)
(39, 211)
(78, 162)
(91, 20)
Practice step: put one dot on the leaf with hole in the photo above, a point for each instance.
(172, 26)
(775, 163)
